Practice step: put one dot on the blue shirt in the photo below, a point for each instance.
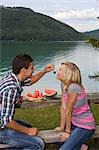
(10, 92)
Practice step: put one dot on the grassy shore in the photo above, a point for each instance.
(48, 117)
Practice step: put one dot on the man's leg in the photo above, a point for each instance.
(20, 140)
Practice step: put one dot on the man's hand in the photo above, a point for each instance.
(48, 68)
(32, 131)
(22, 98)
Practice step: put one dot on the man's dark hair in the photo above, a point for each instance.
(21, 61)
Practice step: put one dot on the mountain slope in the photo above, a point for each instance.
(92, 34)
(20, 23)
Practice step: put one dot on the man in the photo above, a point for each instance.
(17, 133)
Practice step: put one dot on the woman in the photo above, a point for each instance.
(77, 121)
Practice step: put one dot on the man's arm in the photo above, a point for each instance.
(7, 113)
(20, 128)
(8, 105)
(35, 78)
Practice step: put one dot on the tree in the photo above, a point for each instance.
(94, 42)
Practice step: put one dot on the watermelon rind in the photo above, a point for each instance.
(31, 99)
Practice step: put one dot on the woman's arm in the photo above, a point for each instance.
(62, 111)
(63, 114)
(70, 105)
(71, 102)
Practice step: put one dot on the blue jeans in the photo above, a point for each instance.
(78, 137)
(18, 140)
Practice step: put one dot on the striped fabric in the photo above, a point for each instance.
(81, 114)
(10, 92)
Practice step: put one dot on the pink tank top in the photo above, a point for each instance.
(81, 115)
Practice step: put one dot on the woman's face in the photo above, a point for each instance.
(61, 73)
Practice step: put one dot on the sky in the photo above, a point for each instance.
(79, 14)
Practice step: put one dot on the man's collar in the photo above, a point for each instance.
(18, 83)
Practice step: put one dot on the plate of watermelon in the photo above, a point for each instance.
(36, 96)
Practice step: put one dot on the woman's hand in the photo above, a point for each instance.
(48, 68)
(59, 129)
(64, 136)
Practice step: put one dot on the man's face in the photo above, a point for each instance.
(30, 70)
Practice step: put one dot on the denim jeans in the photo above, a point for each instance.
(18, 140)
(78, 137)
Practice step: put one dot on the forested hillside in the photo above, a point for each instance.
(20, 23)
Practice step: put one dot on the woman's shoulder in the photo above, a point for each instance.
(75, 87)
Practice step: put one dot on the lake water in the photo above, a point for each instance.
(81, 53)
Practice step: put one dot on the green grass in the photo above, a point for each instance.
(95, 110)
(42, 118)
(48, 117)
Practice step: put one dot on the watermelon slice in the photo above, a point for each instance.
(50, 92)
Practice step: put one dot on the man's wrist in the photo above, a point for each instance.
(43, 71)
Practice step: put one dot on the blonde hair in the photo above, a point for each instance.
(72, 74)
